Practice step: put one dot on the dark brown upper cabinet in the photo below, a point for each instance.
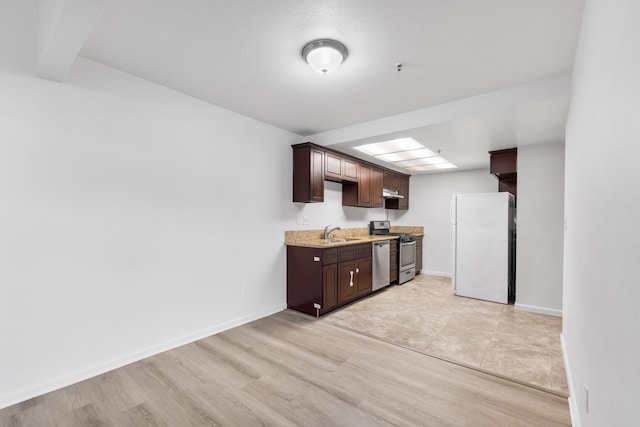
(362, 182)
(503, 165)
(377, 181)
(308, 176)
(339, 169)
(367, 192)
(391, 180)
(400, 183)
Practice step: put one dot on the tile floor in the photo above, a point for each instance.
(425, 315)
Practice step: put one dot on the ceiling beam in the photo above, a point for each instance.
(63, 26)
(500, 100)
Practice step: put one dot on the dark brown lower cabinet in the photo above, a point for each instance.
(330, 285)
(354, 279)
(327, 278)
(418, 254)
(346, 281)
(393, 261)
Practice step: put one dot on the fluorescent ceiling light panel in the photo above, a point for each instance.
(433, 167)
(393, 146)
(406, 153)
(421, 162)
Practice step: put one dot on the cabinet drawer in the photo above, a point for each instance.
(329, 256)
(363, 251)
(347, 253)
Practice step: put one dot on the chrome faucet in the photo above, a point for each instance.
(327, 232)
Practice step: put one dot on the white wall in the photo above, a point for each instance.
(430, 195)
(601, 305)
(331, 212)
(540, 228)
(132, 217)
(18, 35)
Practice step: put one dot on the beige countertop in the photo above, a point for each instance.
(352, 236)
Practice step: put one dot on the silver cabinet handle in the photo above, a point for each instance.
(351, 279)
(357, 270)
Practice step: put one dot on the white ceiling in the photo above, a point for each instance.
(245, 56)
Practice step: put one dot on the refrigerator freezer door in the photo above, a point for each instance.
(482, 246)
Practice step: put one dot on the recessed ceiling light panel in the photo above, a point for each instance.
(440, 166)
(420, 162)
(392, 146)
(406, 153)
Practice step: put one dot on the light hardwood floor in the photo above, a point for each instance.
(291, 370)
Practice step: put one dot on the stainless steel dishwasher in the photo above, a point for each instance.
(380, 265)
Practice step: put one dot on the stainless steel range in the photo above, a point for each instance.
(406, 249)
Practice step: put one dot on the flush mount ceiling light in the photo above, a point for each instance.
(406, 153)
(324, 55)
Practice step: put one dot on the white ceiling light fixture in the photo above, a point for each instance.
(324, 55)
(406, 153)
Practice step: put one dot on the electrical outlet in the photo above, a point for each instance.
(245, 290)
(305, 220)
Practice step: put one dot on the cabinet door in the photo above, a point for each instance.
(329, 286)
(404, 190)
(317, 178)
(350, 170)
(308, 176)
(391, 180)
(304, 278)
(346, 281)
(364, 186)
(376, 188)
(333, 165)
(363, 276)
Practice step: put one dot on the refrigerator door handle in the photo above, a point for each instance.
(452, 209)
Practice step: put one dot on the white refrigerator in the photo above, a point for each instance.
(483, 245)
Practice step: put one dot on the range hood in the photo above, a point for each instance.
(391, 194)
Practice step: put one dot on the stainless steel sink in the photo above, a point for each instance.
(340, 240)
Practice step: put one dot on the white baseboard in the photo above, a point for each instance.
(435, 273)
(573, 404)
(539, 310)
(29, 392)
